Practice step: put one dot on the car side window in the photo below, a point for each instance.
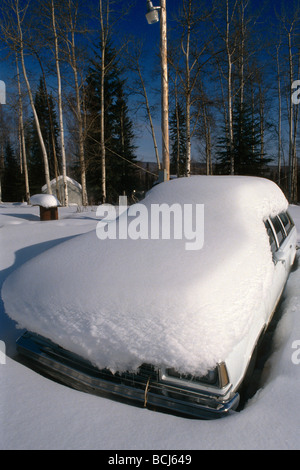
(272, 240)
(280, 233)
(287, 221)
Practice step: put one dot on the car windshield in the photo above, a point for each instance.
(279, 229)
(272, 239)
(287, 221)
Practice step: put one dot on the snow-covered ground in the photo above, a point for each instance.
(37, 413)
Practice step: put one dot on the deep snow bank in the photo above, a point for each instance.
(123, 302)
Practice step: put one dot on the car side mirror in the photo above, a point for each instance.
(279, 257)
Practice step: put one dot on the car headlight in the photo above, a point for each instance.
(217, 377)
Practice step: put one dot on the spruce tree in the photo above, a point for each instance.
(13, 187)
(121, 171)
(93, 119)
(178, 142)
(45, 109)
(246, 145)
(119, 136)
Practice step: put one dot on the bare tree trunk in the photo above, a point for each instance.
(207, 141)
(253, 115)
(1, 152)
(294, 159)
(102, 104)
(105, 31)
(186, 52)
(224, 101)
(36, 119)
(279, 114)
(291, 119)
(74, 66)
(227, 96)
(22, 136)
(61, 121)
(290, 25)
(229, 87)
(262, 122)
(188, 121)
(144, 94)
(52, 133)
(177, 135)
(241, 58)
(189, 19)
(207, 131)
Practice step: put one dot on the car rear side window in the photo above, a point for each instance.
(278, 229)
(272, 240)
(287, 221)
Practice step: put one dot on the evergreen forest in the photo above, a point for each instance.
(83, 95)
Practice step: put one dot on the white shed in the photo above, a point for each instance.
(74, 190)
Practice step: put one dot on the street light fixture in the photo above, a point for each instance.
(153, 17)
(152, 13)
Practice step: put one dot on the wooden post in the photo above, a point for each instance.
(49, 213)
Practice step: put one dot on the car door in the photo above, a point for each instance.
(289, 244)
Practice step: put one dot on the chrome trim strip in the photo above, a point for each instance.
(145, 390)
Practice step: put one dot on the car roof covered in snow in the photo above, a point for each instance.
(121, 302)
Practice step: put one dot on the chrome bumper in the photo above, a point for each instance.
(143, 388)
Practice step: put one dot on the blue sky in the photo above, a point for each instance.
(135, 24)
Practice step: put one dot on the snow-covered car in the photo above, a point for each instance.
(165, 305)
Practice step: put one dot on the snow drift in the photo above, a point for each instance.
(122, 302)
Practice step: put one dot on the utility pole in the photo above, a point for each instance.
(164, 90)
(153, 17)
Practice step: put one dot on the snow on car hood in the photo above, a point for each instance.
(121, 302)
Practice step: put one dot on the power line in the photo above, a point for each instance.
(123, 158)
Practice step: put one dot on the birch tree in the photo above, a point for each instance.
(60, 106)
(224, 26)
(205, 126)
(230, 50)
(279, 111)
(69, 26)
(108, 18)
(104, 22)
(290, 32)
(53, 151)
(1, 151)
(139, 88)
(190, 17)
(23, 158)
(14, 14)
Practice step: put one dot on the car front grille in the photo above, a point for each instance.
(141, 387)
(144, 374)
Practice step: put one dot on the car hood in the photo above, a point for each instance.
(121, 302)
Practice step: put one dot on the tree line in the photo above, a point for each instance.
(82, 90)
